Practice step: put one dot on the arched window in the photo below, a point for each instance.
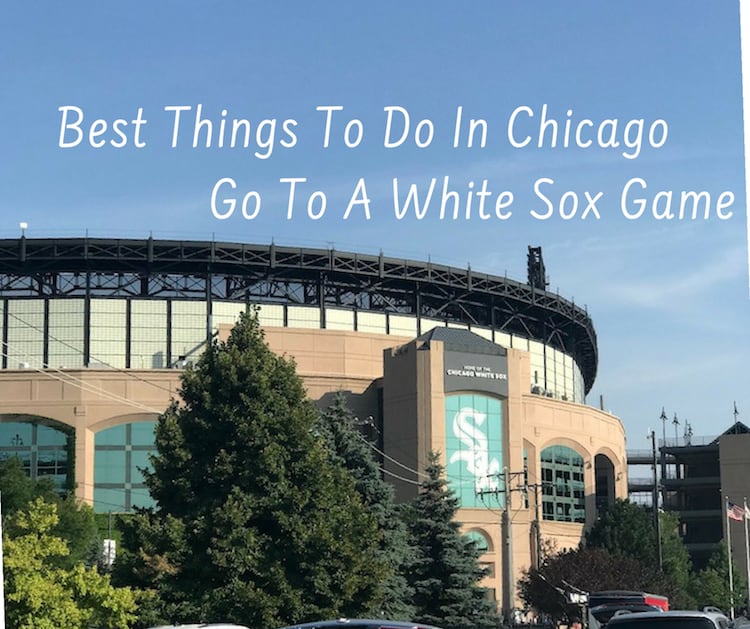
(604, 481)
(120, 453)
(480, 539)
(563, 497)
(44, 450)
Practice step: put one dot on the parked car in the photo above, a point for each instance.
(360, 623)
(206, 625)
(676, 619)
(602, 614)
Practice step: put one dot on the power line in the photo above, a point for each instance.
(391, 459)
(73, 347)
(68, 378)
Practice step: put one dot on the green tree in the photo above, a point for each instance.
(76, 522)
(626, 529)
(18, 490)
(446, 571)
(676, 562)
(254, 522)
(354, 452)
(710, 586)
(40, 594)
(590, 570)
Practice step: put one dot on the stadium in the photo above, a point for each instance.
(492, 373)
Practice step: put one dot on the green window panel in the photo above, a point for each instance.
(121, 452)
(474, 449)
(42, 449)
(563, 495)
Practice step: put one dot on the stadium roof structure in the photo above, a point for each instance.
(209, 270)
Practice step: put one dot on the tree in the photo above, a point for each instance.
(590, 570)
(254, 522)
(353, 451)
(626, 529)
(18, 490)
(676, 562)
(76, 522)
(710, 586)
(40, 594)
(446, 571)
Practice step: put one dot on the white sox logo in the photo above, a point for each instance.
(476, 453)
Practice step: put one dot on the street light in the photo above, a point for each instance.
(24, 226)
(662, 457)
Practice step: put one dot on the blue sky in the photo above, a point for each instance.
(669, 299)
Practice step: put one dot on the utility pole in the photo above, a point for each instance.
(537, 527)
(655, 499)
(509, 585)
(537, 554)
(506, 535)
(663, 455)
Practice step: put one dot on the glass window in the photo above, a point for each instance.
(111, 437)
(483, 544)
(120, 453)
(140, 497)
(47, 436)
(142, 434)
(16, 434)
(109, 467)
(563, 492)
(109, 499)
(42, 450)
(138, 460)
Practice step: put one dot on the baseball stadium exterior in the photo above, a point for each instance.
(490, 372)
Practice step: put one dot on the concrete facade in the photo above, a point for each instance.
(85, 401)
(414, 424)
(401, 388)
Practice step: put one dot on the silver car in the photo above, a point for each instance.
(207, 625)
(360, 623)
(675, 619)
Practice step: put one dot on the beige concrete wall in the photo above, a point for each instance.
(87, 401)
(413, 386)
(91, 400)
(358, 363)
(406, 416)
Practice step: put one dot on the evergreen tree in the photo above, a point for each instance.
(254, 523)
(446, 571)
(353, 451)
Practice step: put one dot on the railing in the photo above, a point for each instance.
(685, 441)
(643, 480)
